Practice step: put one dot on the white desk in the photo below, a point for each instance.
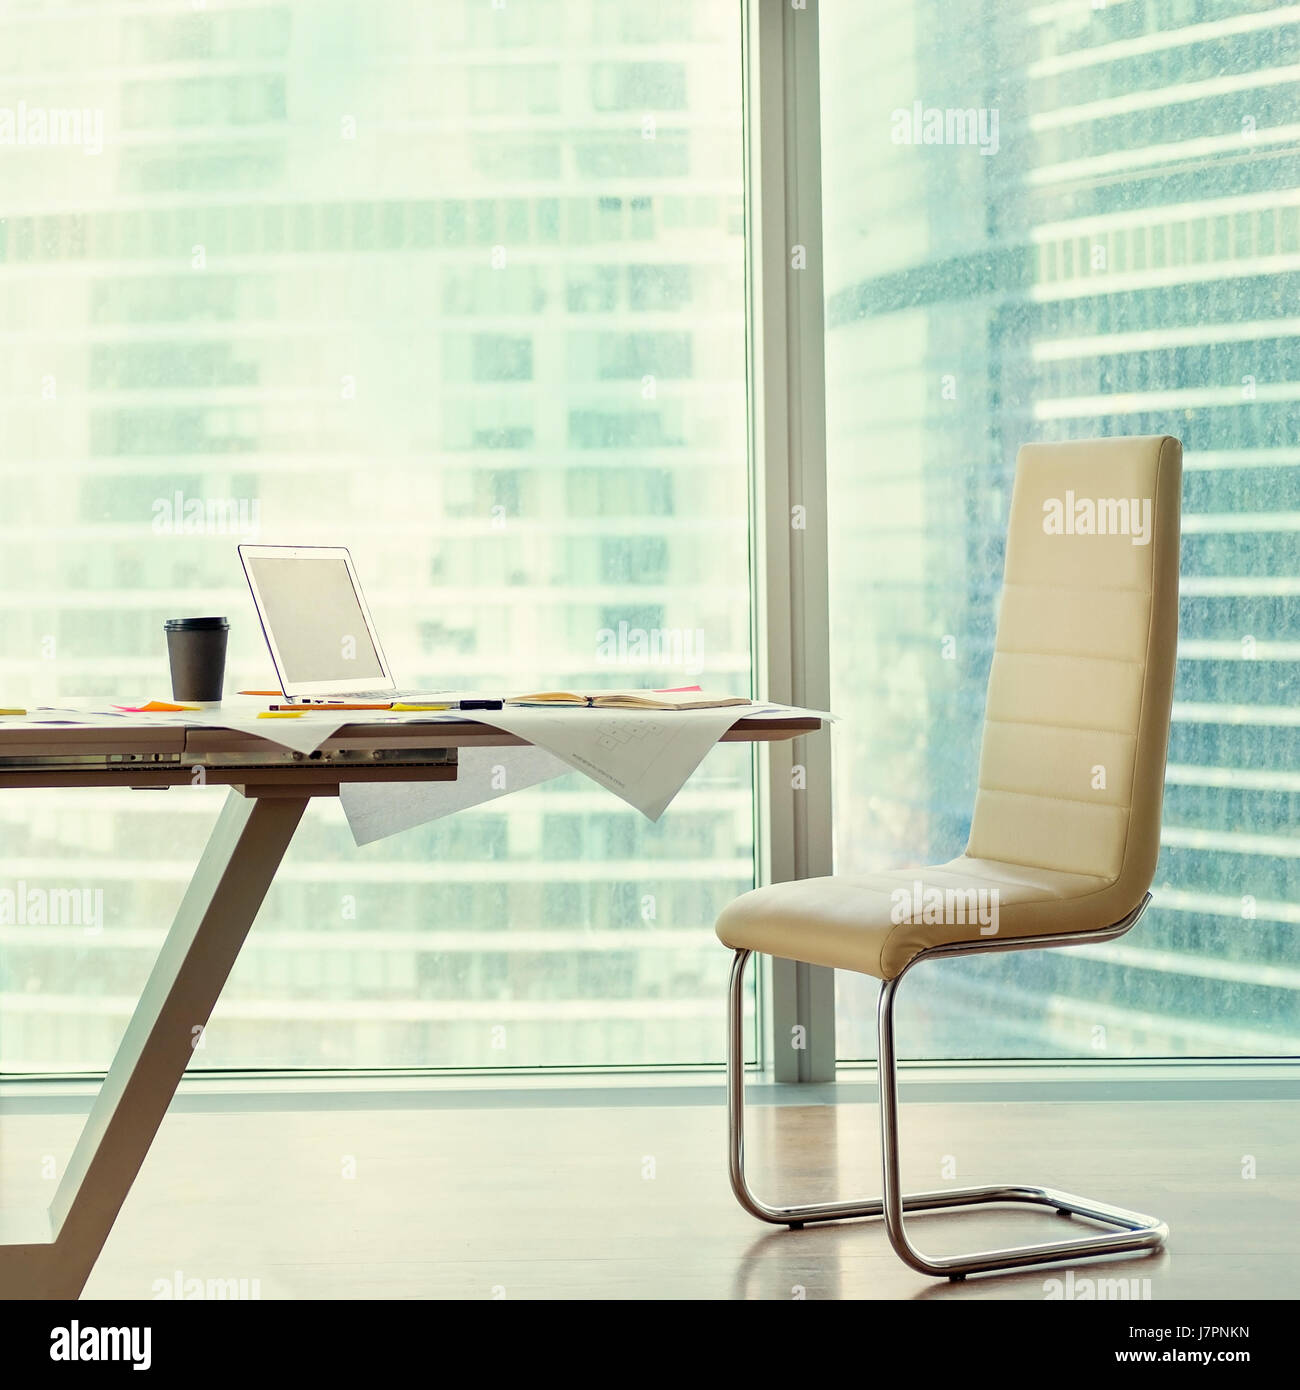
(49, 1254)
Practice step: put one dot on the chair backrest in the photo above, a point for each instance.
(1076, 727)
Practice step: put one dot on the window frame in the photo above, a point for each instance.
(785, 332)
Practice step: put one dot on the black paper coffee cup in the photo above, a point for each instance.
(196, 648)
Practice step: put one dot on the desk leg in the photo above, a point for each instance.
(51, 1256)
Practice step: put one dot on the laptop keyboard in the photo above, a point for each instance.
(354, 697)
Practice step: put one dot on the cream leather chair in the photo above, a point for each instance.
(1066, 826)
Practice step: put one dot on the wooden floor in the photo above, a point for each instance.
(633, 1202)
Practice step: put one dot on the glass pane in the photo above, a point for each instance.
(1053, 222)
(461, 286)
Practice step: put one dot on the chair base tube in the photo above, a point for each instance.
(1130, 1231)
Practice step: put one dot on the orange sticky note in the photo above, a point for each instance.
(154, 707)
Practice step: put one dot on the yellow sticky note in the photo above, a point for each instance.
(280, 714)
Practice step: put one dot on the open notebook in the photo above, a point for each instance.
(632, 699)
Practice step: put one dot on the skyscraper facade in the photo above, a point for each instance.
(1101, 238)
(459, 285)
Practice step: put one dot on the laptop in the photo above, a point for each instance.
(318, 627)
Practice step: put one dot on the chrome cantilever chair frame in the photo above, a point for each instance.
(1132, 1231)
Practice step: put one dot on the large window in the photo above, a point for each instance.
(1098, 234)
(462, 285)
(459, 285)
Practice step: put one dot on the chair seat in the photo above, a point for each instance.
(877, 923)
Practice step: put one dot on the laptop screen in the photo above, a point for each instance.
(312, 608)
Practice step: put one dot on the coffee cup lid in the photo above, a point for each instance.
(196, 624)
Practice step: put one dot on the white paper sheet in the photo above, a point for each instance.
(377, 809)
(49, 714)
(304, 734)
(822, 714)
(642, 756)
(307, 732)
